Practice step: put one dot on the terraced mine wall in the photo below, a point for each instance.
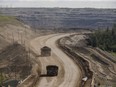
(63, 17)
(83, 64)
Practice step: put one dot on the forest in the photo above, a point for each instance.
(104, 39)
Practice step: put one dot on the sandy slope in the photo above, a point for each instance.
(13, 33)
(69, 72)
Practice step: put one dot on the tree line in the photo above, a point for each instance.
(104, 39)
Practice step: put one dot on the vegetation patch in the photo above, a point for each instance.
(113, 53)
(8, 20)
(104, 39)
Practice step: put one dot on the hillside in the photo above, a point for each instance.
(12, 30)
(15, 62)
(4, 22)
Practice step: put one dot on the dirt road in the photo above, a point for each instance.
(69, 73)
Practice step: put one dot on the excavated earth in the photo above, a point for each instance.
(101, 63)
(15, 62)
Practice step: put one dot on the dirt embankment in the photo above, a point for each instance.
(16, 59)
(83, 64)
(101, 63)
(15, 62)
(12, 30)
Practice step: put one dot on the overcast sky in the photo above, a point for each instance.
(59, 3)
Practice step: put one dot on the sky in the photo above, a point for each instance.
(59, 3)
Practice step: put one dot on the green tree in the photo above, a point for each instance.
(104, 39)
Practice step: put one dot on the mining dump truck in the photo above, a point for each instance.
(45, 51)
(52, 70)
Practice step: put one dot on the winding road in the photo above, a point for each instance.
(69, 73)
